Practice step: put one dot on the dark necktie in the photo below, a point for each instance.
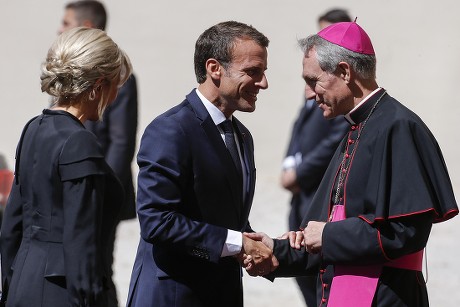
(227, 127)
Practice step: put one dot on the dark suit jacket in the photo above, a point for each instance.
(316, 138)
(117, 135)
(188, 197)
(62, 208)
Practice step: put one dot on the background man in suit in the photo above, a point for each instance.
(116, 132)
(194, 195)
(313, 143)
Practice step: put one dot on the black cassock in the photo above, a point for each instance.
(396, 186)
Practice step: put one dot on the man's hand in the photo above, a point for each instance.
(289, 180)
(313, 235)
(296, 238)
(257, 254)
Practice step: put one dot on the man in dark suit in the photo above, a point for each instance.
(194, 195)
(116, 133)
(313, 143)
(117, 130)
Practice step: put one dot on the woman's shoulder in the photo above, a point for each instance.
(81, 156)
(80, 145)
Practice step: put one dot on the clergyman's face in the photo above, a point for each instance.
(241, 82)
(69, 21)
(329, 90)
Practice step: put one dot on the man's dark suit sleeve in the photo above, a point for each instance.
(315, 162)
(122, 117)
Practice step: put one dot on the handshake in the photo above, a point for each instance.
(257, 257)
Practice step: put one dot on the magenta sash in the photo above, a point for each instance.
(355, 285)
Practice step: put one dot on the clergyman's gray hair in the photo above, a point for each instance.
(329, 56)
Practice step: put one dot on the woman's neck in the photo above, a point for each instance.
(72, 110)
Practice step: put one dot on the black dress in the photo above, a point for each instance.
(63, 205)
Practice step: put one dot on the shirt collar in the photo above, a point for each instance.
(359, 112)
(216, 115)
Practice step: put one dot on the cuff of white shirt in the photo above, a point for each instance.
(233, 243)
(289, 162)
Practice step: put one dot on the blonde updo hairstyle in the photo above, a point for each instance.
(78, 63)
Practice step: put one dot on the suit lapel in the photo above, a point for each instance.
(248, 155)
(215, 138)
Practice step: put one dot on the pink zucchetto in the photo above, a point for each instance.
(348, 35)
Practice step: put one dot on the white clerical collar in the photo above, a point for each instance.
(216, 114)
(348, 117)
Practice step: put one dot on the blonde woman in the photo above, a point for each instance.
(65, 198)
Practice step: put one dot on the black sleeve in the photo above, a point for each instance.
(314, 163)
(82, 239)
(83, 173)
(354, 241)
(122, 128)
(293, 262)
(11, 236)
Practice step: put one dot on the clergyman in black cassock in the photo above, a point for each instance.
(386, 185)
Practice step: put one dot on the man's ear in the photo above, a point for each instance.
(87, 24)
(213, 68)
(344, 71)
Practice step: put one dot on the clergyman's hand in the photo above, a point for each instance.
(296, 238)
(313, 235)
(257, 254)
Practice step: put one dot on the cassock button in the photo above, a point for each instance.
(324, 286)
(353, 127)
(322, 271)
(347, 156)
(323, 300)
(350, 141)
